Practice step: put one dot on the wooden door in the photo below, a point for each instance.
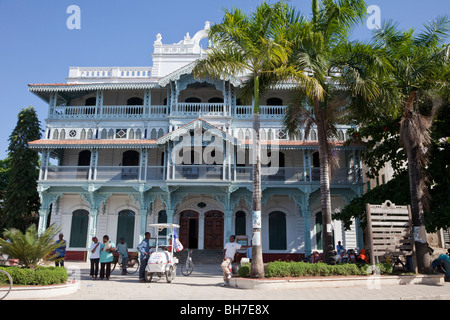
(214, 230)
(189, 229)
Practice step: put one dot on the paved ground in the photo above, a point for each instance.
(204, 284)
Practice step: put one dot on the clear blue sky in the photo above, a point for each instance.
(37, 47)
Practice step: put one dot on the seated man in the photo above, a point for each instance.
(443, 261)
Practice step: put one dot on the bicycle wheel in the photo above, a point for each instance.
(113, 266)
(132, 265)
(5, 290)
(187, 268)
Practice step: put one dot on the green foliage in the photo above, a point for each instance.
(244, 270)
(305, 269)
(21, 197)
(40, 276)
(31, 249)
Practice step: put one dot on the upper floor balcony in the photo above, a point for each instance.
(192, 174)
(180, 109)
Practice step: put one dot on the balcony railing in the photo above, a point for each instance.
(181, 109)
(194, 172)
(108, 112)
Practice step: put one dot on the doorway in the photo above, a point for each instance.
(214, 230)
(189, 229)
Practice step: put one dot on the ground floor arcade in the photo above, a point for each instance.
(290, 218)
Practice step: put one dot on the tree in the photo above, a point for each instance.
(29, 248)
(417, 60)
(253, 45)
(21, 196)
(349, 76)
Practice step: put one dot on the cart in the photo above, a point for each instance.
(162, 262)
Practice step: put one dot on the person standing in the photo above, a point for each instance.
(94, 257)
(229, 252)
(122, 248)
(144, 250)
(106, 257)
(60, 252)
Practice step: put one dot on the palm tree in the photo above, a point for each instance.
(30, 248)
(349, 74)
(256, 46)
(418, 60)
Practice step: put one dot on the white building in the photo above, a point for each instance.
(112, 130)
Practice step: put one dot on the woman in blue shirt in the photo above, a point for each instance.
(106, 257)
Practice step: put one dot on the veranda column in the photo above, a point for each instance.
(228, 225)
(143, 227)
(306, 213)
(43, 216)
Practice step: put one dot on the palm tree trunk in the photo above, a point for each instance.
(423, 258)
(325, 195)
(257, 266)
(411, 141)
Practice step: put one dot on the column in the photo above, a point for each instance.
(43, 216)
(228, 224)
(143, 212)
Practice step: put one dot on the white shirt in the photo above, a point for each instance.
(96, 253)
(231, 248)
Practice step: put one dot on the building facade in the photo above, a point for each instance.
(129, 146)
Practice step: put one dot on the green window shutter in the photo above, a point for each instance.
(79, 229)
(125, 227)
(277, 231)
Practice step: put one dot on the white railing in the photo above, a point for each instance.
(266, 112)
(200, 109)
(109, 72)
(109, 112)
(196, 172)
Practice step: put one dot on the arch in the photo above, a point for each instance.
(215, 100)
(277, 231)
(55, 134)
(90, 101)
(273, 101)
(84, 158)
(192, 99)
(240, 224)
(130, 158)
(79, 228)
(125, 226)
(135, 101)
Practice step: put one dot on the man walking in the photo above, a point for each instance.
(228, 256)
(144, 250)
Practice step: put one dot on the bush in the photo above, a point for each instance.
(304, 269)
(244, 270)
(40, 276)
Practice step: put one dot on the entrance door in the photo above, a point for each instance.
(214, 230)
(189, 229)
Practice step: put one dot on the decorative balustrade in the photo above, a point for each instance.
(109, 72)
(108, 112)
(196, 172)
(182, 109)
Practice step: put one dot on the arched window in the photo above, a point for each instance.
(277, 231)
(216, 100)
(125, 227)
(79, 228)
(84, 158)
(135, 101)
(192, 99)
(90, 101)
(130, 158)
(274, 102)
(240, 223)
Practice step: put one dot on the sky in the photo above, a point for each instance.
(36, 45)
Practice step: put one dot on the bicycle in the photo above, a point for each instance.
(4, 291)
(132, 263)
(188, 266)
